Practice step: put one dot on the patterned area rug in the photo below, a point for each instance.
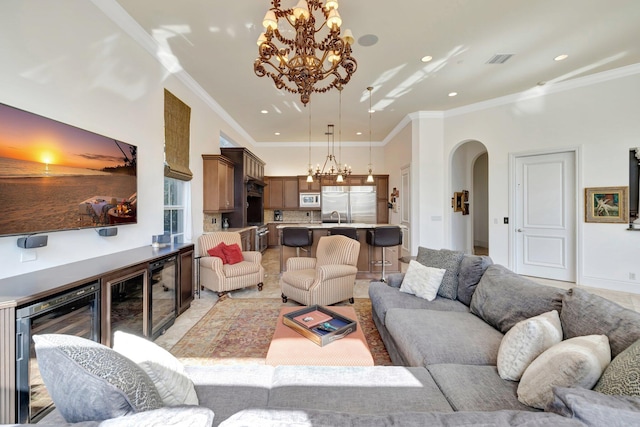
(238, 331)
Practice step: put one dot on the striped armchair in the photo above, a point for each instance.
(327, 279)
(222, 278)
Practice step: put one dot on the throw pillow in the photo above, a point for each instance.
(595, 409)
(576, 362)
(622, 376)
(233, 253)
(472, 267)
(526, 341)
(218, 251)
(584, 313)
(166, 372)
(422, 281)
(504, 298)
(450, 261)
(88, 381)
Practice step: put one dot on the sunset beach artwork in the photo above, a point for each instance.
(55, 176)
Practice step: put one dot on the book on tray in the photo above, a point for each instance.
(313, 318)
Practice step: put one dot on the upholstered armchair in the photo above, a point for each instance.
(232, 268)
(326, 279)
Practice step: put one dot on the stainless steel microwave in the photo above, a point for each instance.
(309, 200)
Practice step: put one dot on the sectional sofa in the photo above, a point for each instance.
(448, 350)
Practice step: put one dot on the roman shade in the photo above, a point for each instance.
(177, 116)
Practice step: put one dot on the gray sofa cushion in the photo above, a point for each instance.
(596, 409)
(476, 388)
(174, 416)
(503, 298)
(472, 267)
(384, 297)
(88, 381)
(360, 390)
(583, 314)
(450, 261)
(227, 389)
(426, 337)
(313, 418)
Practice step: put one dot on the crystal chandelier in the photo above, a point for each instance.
(301, 64)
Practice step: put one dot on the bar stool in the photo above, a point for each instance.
(384, 236)
(350, 232)
(297, 237)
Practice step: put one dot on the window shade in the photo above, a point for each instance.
(177, 117)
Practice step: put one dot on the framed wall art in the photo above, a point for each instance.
(606, 204)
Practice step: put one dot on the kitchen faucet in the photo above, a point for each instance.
(336, 212)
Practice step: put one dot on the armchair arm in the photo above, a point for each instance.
(395, 279)
(252, 256)
(326, 272)
(300, 263)
(211, 262)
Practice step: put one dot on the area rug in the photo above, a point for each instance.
(238, 331)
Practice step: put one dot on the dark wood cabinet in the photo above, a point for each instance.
(281, 192)
(382, 195)
(308, 187)
(247, 239)
(185, 280)
(218, 184)
(274, 237)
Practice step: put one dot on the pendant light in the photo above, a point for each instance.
(370, 176)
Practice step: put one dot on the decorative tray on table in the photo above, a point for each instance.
(319, 324)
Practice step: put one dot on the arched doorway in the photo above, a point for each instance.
(469, 231)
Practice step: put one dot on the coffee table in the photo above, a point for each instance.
(290, 348)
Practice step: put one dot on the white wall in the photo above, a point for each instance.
(68, 61)
(602, 120)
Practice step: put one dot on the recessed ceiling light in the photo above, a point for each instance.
(561, 57)
(426, 58)
(277, 133)
(453, 93)
(358, 133)
(264, 112)
(371, 111)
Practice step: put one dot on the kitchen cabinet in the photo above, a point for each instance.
(247, 239)
(382, 196)
(274, 237)
(281, 192)
(218, 184)
(308, 187)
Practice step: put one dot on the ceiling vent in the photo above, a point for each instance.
(499, 58)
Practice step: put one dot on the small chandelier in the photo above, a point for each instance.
(370, 176)
(331, 166)
(301, 64)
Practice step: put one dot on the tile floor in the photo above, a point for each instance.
(271, 262)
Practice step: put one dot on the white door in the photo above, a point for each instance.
(545, 216)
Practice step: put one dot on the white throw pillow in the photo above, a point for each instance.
(525, 341)
(576, 362)
(422, 281)
(166, 372)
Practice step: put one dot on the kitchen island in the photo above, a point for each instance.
(370, 258)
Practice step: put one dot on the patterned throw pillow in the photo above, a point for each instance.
(233, 253)
(218, 251)
(422, 281)
(622, 376)
(448, 260)
(88, 381)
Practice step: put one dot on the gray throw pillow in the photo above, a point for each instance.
(447, 259)
(504, 298)
(595, 409)
(622, 376)
(584, 313)
(472, 268)
(88, 381)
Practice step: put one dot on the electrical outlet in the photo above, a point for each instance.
(213, 220)
(307, 213)
(632, 276)
(506, 220)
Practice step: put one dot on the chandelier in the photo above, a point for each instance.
(301, 64)
(331, 164)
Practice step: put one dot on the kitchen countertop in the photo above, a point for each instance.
(322, 225)
(237, 229)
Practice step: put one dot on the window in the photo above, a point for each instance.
(174, 209)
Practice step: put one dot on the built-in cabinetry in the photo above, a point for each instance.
(308, 187)
(274, 236)
(247, 239)
(281, 192)
(218, 184)
(129, 277)
(248, 178)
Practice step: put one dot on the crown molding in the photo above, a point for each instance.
(121, 18)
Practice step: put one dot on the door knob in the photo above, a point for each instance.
(519, 230)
